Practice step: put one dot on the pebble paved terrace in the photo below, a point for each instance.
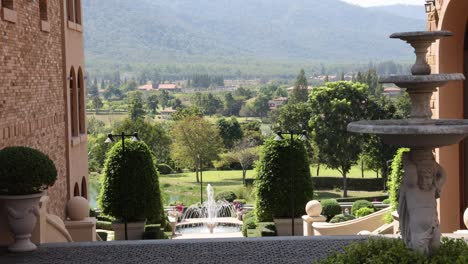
(234, 250)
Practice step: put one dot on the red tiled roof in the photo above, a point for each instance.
(146, 87)
(167, 86)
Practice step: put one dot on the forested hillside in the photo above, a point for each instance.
(142, 32)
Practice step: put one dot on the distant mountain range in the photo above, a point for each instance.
(407, 11)
(179, 31)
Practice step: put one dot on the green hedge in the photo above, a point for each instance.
(104, 225)
(364, 211)
(273, 185)
(396, 175)
(361, 204)
(131, 187)
(249, 222)
(354, 184)
(378, 198)
(165, 169)
(341, 218)
(228, 196)
(382, 250)
(265, 229)
(330, 208)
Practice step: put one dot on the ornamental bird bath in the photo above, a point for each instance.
(423, 176)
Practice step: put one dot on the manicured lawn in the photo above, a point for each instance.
(182, 187)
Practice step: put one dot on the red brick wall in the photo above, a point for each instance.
(32, 106)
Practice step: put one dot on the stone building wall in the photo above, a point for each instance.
(32, 103)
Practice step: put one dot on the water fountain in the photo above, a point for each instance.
(423, 176)
(214, 216)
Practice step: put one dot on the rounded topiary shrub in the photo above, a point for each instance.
(278, 163)
(361, 204)
(341, 218)
(330, 208)
(164, 169)
(228, 196)
(364, 211)
(131, 187)
(25, 170)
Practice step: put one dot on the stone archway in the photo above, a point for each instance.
(453, 103)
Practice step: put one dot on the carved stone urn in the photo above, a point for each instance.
(22, 212)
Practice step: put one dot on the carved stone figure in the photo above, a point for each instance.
(420, 187)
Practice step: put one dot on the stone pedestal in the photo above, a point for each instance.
(283, 226)
(308, 221)
(82, 230)
(134, 229)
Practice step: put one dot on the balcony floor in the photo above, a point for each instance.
(231, 250)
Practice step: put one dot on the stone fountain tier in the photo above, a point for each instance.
(417, 83)
(420, 89)
(421, 41)
(432, 133)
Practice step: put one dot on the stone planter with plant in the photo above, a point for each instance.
(25, 174)
(131, 189)
(277, 165)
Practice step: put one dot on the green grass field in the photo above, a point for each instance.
(182, 187)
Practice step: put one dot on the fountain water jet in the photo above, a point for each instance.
(210, 214)
(423, 176)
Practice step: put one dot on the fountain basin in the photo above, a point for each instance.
(430, 36)
(432, 133)
(422, 82)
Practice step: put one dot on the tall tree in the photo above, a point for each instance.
(260, 105)
(152, 103)
(229, 130)
(155, 135)
(135, 105)
(195, 142)
(246, 153)
(334, 106)
(97, 103)
(294, 117)
(299, 93)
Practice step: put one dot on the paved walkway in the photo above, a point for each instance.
(272, 250)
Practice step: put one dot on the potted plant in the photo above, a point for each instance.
(130, 191)
(25, 174)
(280, 162)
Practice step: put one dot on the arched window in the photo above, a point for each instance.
(70, 10)
(84, 189)
(73, 104)
(7, 4)
(78, 11)
(43, 10)
(81, 102)
(76, 190)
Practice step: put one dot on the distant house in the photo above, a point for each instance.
(170, 87)
(166, 113)
(392, 91)
(277, 102)
(146, 87)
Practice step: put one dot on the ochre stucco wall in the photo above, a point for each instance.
(448, 58)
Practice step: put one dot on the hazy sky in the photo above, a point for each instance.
(384, 2)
